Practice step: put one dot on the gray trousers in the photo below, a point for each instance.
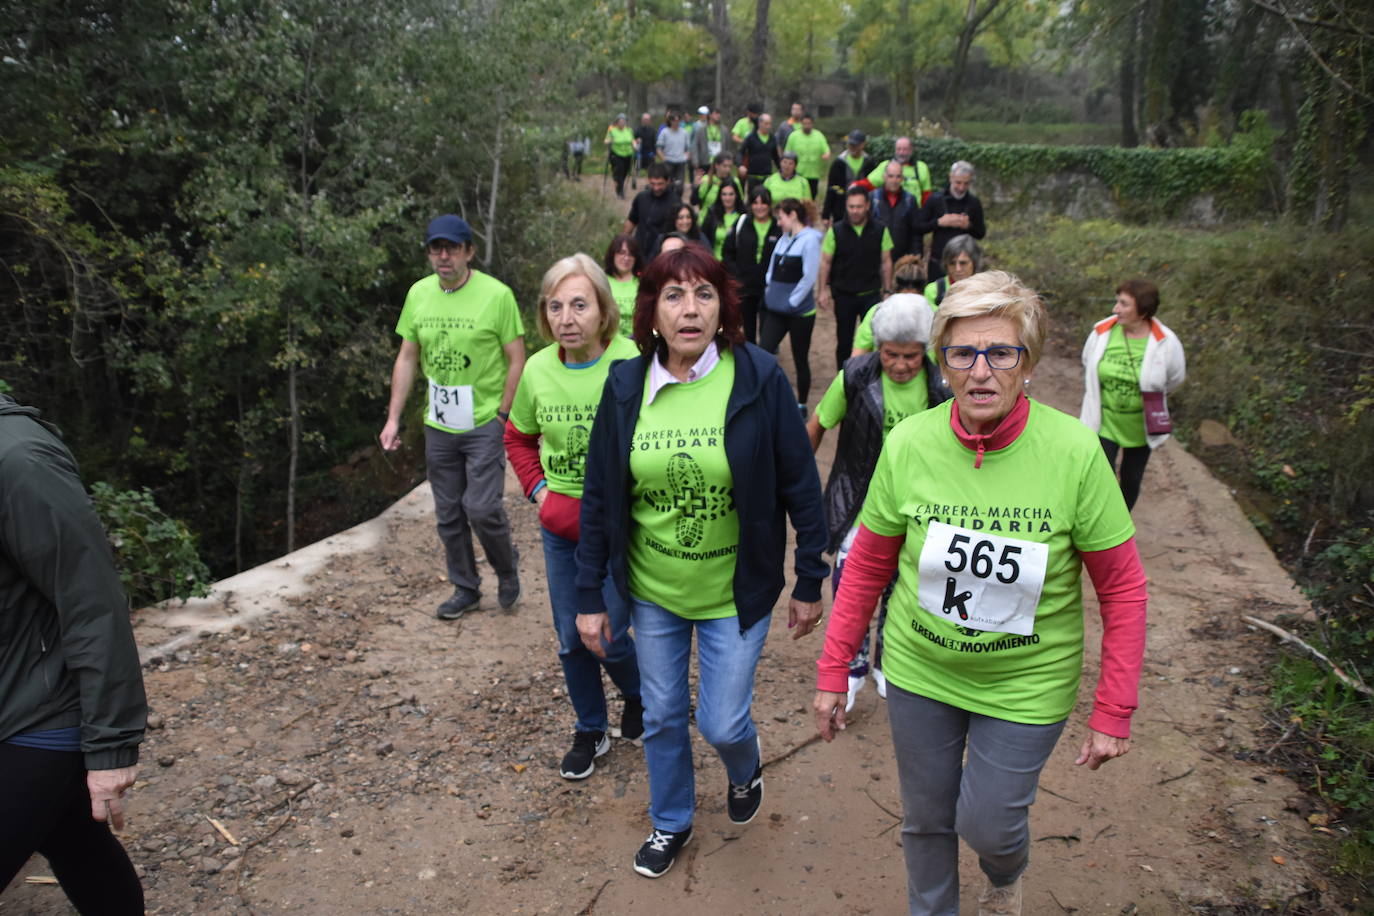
(986, 800)
(467, 472)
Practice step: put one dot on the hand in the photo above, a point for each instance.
(949, 219)
(106, 788)
(391, 435)
(829, 710)
(825, 300)
(542, 495)
(1099, 748)
(595, 630)
(802, 617)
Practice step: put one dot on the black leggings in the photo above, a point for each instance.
(620, 167)
(774, 327)
(45, 808)
(749, 308)
(1133, 461)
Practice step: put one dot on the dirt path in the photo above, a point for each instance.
(368, 758)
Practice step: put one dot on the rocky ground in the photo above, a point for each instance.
(340, 750)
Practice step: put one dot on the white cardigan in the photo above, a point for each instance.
(1161, 369)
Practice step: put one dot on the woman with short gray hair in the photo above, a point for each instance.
(871, 395)
(963, 258)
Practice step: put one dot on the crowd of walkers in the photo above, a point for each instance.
(668, 458)
(959, 511)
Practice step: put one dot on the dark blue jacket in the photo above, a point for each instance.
(774, 472)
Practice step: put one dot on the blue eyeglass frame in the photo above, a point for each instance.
(944, 356)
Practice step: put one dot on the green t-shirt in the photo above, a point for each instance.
(684, 525)
(916, 178)
(1118, 375)
(558, 404)
(718, 243)
(899, 401)
(710, 190)
(761, 230)
(461, 336)
(743, 127)
(855, 163)
(622, 140)
(863, 334)
(809, 149)
(1005, 541)
(828, 243)
(781, 188)
(932, 292)
(624, 292)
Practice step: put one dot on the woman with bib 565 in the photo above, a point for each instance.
(989, 505)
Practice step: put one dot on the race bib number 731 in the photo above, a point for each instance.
(450, 406)
(981, 581)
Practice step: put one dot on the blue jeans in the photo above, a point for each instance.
(725, 694)
(582, 669)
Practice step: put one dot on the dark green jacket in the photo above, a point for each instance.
(67, 653)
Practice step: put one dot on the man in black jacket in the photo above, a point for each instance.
(759, 153)
(651, 211)
(850, 166)
(856, 268)
(896, 208)
(72, 708)
(950, 212)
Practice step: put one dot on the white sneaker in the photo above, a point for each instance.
(880, 682)
(855, 685)
(1000, 901)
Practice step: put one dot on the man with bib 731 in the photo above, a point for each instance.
(989, 506)
(461, 329)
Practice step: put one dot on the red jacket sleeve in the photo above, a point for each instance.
(1119, 580)
(867, 570)
(523, 451)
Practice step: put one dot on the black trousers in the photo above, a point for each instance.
(850, 308)
(749, 308)
(773, 327)
(1133, 461)
(620, 167)
(46, 808)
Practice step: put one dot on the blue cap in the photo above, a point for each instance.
(452, 228)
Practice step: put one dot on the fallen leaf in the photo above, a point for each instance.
(518, 767)
(1279, 860)
(1319, 819)
(1147, 868)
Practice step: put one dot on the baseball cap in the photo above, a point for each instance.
(790, 154)
(703, 110)
(857, 136)
(451, 228)
(621, 117)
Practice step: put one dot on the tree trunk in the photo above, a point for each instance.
(726, 58)
(1130, 136)
(1156, 76)
(973, 20)
(491, 201)
(758, 47)
(294, 428)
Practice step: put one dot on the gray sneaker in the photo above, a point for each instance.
(462, 601)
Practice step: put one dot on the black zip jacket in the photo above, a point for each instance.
(775, 477)
(738, 254)
(67, 653)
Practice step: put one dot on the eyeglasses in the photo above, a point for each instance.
(1001, 357)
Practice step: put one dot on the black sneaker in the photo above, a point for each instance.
(508, 591)
(579, 762)
(743, 801)
(659, 852)
(462, 601)
(632, 721)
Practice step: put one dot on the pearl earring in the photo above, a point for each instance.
(655, 332)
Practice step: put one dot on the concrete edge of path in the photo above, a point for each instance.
(266, 589)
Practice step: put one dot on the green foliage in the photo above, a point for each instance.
(1144, 182)
(1036, 132)
(156, 554)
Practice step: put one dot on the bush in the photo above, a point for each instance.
(156, 555)
(1144, 182)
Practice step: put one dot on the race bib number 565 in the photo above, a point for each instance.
(981, 581)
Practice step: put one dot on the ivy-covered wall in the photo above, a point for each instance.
(1196, 184)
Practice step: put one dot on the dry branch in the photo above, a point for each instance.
(1313, 651)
